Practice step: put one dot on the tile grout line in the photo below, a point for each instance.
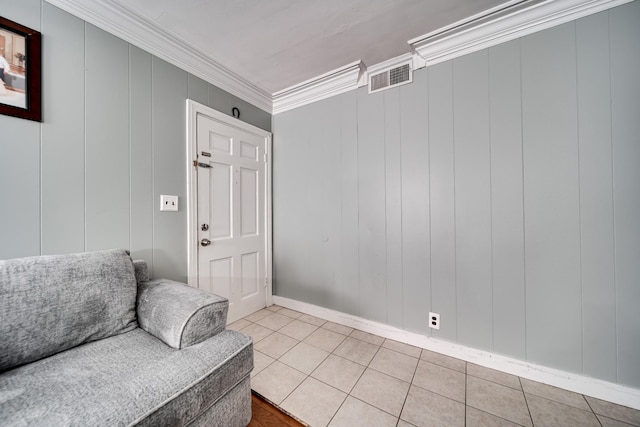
(592, 411)
(496, 383)
(368, 366)
(547, 399)
(301, 382)
(440, 394)
(495, 416)
(526, 402)
(348, 394)
(415, 370)
(350, 390)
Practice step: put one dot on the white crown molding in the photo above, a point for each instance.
(510, 20)
(329, 84)
(129, 26)
(499, 25)
(611, 392)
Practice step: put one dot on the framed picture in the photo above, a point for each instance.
(20, 71)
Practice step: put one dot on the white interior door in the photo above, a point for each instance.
(232, 235)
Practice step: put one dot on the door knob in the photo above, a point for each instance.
(205, 242)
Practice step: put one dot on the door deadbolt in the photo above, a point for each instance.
(205, 242)
(204, 227)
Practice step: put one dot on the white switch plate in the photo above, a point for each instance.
(168, 203)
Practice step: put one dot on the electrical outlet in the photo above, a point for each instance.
(434, 320)
(168, 203)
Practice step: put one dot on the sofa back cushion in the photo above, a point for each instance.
(52, 303)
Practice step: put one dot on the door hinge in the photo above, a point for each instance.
(265, 157)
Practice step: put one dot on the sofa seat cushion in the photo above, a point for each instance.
(56, 302)
(132, 378)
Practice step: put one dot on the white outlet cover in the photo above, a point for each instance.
(168, 203)
(434, 320)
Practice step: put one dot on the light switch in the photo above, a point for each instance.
(168, 203)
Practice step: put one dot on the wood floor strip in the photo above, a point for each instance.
(266, 415)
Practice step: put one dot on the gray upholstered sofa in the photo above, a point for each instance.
(86, 339)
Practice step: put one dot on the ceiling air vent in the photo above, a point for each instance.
(390, 77)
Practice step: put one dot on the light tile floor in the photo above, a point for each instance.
(325, 374)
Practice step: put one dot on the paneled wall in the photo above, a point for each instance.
(500, 189)
(112, 140)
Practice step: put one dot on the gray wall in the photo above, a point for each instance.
(112, 140)
(500, 189)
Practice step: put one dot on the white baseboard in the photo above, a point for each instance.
(600, 389)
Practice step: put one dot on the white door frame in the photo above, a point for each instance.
(193, 109)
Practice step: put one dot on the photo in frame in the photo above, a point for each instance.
(20, 71)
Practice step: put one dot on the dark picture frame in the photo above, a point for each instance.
(20, 90)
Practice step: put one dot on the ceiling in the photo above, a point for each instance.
(275, 44)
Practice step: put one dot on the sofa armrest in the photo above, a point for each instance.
(179, 315)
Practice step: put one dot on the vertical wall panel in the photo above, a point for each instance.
(290, 205)
(141, 156)
(283, 178)
(312, 196)
(20, 163)
(371, 206)
(441, 167)
(551, 198)
(198, 89)
(473, 199)
(169, 92)
(308, 256)
(331, 202)
(596, 197)
(393, 201)
(20, 188)
(350, 266)
(507, 216)
(107, 195)
(63, 153)
(415, 160)
(289, 177)
(625, 94)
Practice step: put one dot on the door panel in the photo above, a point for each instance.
(248, 151)
(220, 187)
(231, 202)
(250, 267)
(220, 273)
(249, 195)
(220, 144)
